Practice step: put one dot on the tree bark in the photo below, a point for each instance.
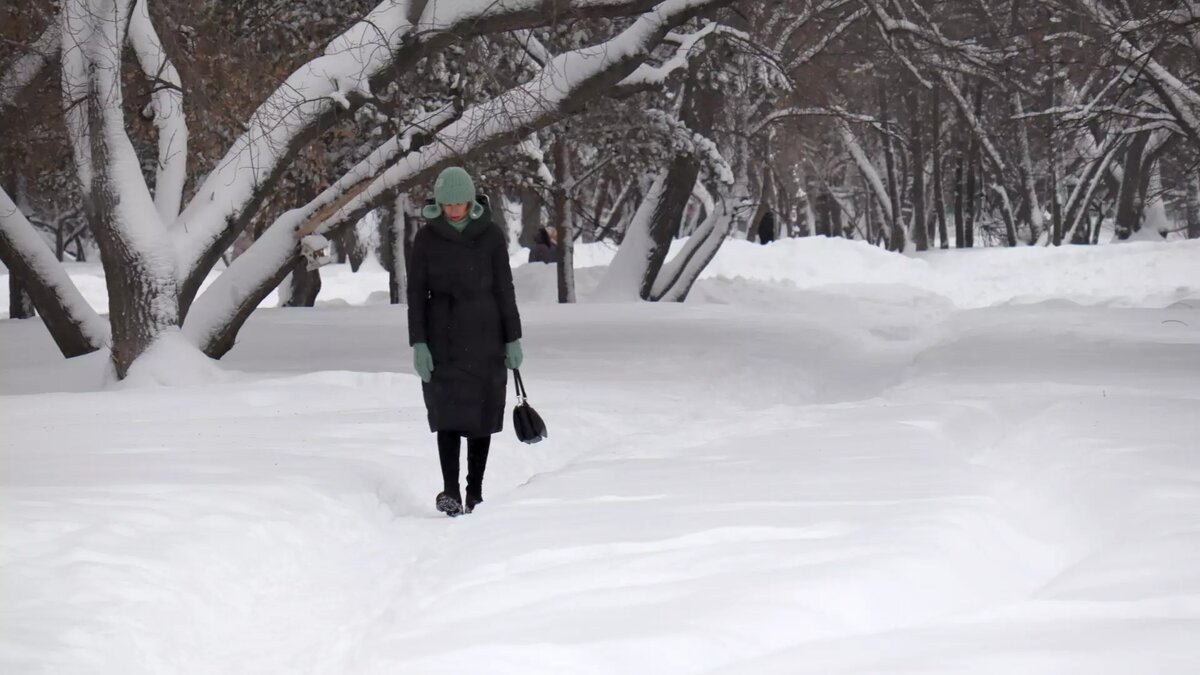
(224, 307)
(74, 326)
(142, 297)
(1193, 205)
(1028, 186)
(305, 286)
(1128, 219)
(960, 223)
(939, 190)
(920, 231)
(531, 215)
(393, 247)
(895, 235)
(20, 305)
(973, 169)
(563, 219)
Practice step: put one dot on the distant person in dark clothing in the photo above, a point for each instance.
(766, 228)
(545, 246)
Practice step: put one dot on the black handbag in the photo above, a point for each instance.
(528, 424)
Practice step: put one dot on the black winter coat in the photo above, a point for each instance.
(461, 303)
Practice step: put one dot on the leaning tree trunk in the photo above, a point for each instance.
(74, 326)
(20, 304)
(304, 287)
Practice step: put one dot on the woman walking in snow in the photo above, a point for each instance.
(464, 329)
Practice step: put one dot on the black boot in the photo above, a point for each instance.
(449, 504)
(477, 456)
(473, 499)
(449, 501)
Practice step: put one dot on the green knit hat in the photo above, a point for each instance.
(454, 186)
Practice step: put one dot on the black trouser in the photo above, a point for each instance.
(449, 446)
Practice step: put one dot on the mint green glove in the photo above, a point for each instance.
(513, 357)
(423, 361)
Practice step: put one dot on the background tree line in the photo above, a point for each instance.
(910, 124)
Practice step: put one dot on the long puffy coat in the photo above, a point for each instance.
(462, 304)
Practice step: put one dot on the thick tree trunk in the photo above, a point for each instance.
(939, 190)
(143, 294)
(825, 206)
(393, 247)
(20, 305)
(563, 219)
(531, 215)
(1033, 207)
(895, 235)
(305, 285)
(960, 223)
(972, 193)
(697, 112)
(74, 326)
(1128, 219)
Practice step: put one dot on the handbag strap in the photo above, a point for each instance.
(519, 384)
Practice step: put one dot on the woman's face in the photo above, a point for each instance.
(456, 211)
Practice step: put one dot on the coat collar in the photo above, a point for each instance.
(470, 234)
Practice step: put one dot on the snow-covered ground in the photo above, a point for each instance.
(978, 462)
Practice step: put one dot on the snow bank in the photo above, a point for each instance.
(171, 361)
(870, 482)
(1132, 274)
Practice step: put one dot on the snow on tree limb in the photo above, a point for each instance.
(76, 327)
(787, 113)
(677, 276)
(24, 68)
(850, 141)
(393, 32)
(809, 54)
(623, 278)
(568, 80)
(649, 76)
(76, 30)
(167, 106)
(275, 128)
(1179, 98)
(695, 143)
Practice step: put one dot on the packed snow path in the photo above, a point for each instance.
(805, 482)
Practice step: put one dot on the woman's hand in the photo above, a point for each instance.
(513, 357)
(423, 361)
